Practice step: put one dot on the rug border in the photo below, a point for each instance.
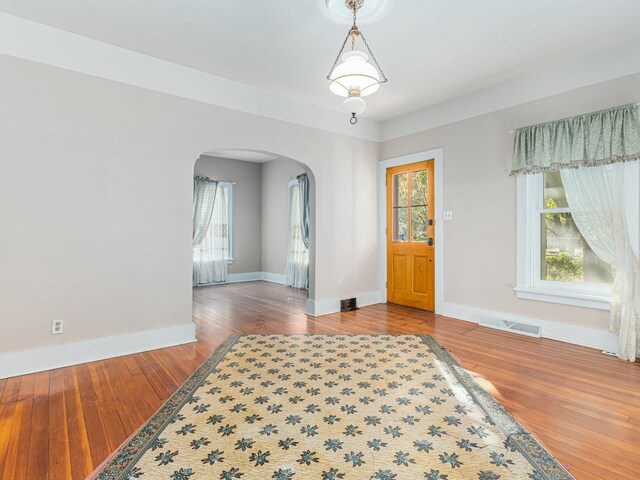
(137, 444)
(518, 438)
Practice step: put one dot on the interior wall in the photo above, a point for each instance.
(275, 213)
(247, 200)
(480, 241)
(96, 198)
(96, 186)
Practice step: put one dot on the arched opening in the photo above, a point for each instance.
(255, 192)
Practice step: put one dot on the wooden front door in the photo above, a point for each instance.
(410, 235)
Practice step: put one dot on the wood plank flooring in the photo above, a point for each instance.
(584, 406)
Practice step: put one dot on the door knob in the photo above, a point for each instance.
(430, 241)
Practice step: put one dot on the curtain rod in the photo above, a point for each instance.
(513, 129)
(294, 178)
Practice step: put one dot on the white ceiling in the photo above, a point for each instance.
(431, 50)
(244, 155)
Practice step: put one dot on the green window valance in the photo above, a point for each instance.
(597, 138)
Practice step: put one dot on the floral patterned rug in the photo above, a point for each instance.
(330, 407)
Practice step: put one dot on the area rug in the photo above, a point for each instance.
(330, 407)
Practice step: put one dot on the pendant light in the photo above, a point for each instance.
(354, 77)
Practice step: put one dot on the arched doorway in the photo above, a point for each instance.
(255, 191)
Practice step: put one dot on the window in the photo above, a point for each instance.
(555, 263)
(222, 219)
(217, 244)
(410, 204)
(212, 256)
(297, 267)
(564, 255)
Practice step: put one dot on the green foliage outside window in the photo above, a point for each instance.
(561, 266)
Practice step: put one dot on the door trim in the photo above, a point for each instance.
(436, 155)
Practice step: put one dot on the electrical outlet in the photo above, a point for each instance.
(447, 215)
(57, 327)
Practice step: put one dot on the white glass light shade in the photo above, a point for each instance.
(354, 74)
(354, 105)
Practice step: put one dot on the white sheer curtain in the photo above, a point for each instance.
(204, 195)
(297, 253)
(211, 255)
(598, 197)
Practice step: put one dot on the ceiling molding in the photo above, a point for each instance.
(43, 44)
(608, 64)
(51, 46)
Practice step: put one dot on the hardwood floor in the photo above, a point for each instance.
(584, 406)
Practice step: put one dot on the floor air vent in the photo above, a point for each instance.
(510, 326)
(348, 305)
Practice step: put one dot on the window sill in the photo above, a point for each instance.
(566, 297)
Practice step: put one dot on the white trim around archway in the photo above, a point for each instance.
(436, 155)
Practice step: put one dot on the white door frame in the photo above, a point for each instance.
(436, 155)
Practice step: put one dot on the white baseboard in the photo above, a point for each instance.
(256, 276)
(325, 306)
(273, 277)
(243, 277)
(575, 334)
(564, 332)
(47, 358)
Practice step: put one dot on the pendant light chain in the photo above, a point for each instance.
(373, 57)
(333, 67)
(354, 28)
(350, 33)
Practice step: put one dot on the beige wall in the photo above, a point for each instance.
(96, 198)
(480, 241)
(275, 213)
(247, 199)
